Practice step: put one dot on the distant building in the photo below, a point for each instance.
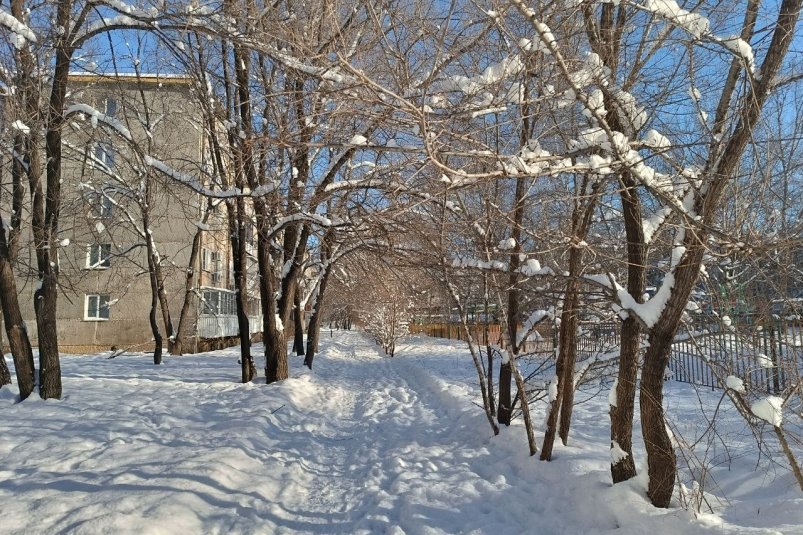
(106, 294)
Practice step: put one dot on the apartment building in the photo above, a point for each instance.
(112, 197)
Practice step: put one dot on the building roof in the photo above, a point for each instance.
(145, 78)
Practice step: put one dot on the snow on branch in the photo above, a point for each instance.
(191, 181)
(529, 325)
(476, 263)
(96, 117)
(22, 32)
(301, 216)
(699, 27)
(693, 23)
(532, 268)
(354, 184)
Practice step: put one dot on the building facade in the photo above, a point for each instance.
(112, 198)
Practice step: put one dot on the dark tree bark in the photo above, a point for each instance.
(16, 332)
(5, 373)
(163, 304)
(236, 219)
(722, 162)
(560, 409)
(505, 410)
(190, 297)
(154, 284)
(566, 355)
(46, 208)
(298, 323)
(314, 328)
(18, 341)
(630, 339)
(273, 337)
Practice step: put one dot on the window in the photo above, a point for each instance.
(96, 307)
(104, 154)
(206, 260)
(98, 256)
(210, 261)
(217, 302)
(101, 205)
(110, 107)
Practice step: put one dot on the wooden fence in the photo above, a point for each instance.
(542, 342)
(766, 355)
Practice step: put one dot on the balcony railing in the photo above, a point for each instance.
(223, 325)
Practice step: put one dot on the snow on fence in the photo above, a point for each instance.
(766, 355)
(225, 325)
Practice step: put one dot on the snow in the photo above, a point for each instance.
(764, 361)
(769, 410)
(532, 268)
(612, 397)
(362, 445)
(23, 32)
(529, 324)
(552, 390)
(96, 116)
(461, 263)
(506, 244)
(193, 183)
(693, 23)
(735, 384)
(358, 140)
(617, 453)
(741, 48)
(21, 127)
(656, 140)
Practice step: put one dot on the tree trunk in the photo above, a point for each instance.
(630, 339)
(236, 219)
(45, 214)
(661, 461)
(298, 323)
(490, 379)
(17, 334)
(49, 365)
(504, 410)
(566, 381)
(163, 304)
(152, 320)
(276, 366)
(5, 373)
(622, 412)
(562, 406)
(525, 409)
(719, 170)
(567, 340)
(189, 296)
(314, 328)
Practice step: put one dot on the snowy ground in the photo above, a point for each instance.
(365, 444)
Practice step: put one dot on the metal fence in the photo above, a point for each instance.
(765, 355)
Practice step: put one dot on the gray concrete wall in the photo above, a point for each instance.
(177, 140)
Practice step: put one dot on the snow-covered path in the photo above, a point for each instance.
(354, 447)
(365, 444)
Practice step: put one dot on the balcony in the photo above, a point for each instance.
(225, 325)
